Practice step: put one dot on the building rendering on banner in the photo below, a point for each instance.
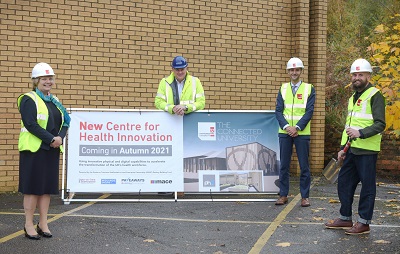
(240, 168)
(241, 182)
(253, 156)
(209, 161)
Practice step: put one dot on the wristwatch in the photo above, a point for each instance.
(186, 108)
(52, 141)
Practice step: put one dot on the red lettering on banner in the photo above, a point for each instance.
(89, 126)
(83, 136)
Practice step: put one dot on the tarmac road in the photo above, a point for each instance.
(194, 226)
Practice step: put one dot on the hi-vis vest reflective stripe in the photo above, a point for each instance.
(28, 141)
(359, 117)
(295, 105)
(170, 96)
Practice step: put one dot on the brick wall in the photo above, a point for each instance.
(113, 53)
(389, 158)
(388, 164)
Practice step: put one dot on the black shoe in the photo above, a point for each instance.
(32, 237)
(44, 234)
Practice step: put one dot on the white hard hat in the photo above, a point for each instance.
(294, 62)
(42, 69)
(361, 65)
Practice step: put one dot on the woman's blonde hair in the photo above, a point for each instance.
(35, 82)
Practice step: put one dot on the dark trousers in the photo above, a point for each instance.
(355, 169)
(302, 144)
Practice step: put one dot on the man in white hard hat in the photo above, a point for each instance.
(364, 124)
(294, 109)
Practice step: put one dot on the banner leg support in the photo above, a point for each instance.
(69, 198)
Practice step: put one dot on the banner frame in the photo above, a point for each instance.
(67, 197)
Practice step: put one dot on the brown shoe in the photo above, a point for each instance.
(358, 229)
(339, 224)
(281, 200)
(305, 202)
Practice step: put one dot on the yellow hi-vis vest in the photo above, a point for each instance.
(360, 116)
(28, 141)
(192, 94)
(295, 105)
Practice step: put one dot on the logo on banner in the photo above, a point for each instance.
(208, 180)
(108, 181)
(132, 181)
(160, 181)
(212, 131)
(87, 181)
(206, 131)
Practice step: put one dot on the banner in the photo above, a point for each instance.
(153, 151)
(231, 152)
(124, 152)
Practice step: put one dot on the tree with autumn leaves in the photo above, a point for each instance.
(385, 56)
(367, 29)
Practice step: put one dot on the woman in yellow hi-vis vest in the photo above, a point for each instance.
(180, 93)
(44, 124)
(294, 109)
(364, 124)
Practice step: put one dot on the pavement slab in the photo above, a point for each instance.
(191, 225)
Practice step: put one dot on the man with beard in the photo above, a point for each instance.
(364, 124)
(294, 109)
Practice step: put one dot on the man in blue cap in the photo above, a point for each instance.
(180, 93)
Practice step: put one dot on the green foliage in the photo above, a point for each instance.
(349, 24)
(336, 106)
(385, 50)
